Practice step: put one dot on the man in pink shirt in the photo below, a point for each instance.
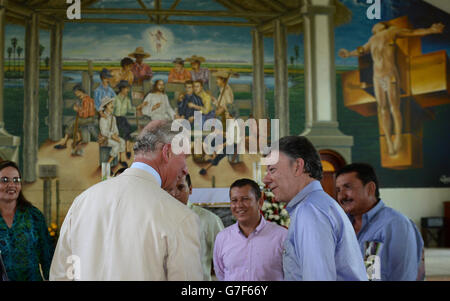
(252, 248)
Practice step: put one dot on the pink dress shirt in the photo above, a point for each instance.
(257, 257)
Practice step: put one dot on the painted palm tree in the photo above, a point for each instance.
(19, 52)
(14, 44)
(9, 51)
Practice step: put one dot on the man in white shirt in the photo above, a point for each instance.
(156, 104)
(129, 227)
(210, 224)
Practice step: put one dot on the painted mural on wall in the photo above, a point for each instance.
(169, 71)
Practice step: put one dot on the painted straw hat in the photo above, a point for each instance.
(195, 58)
(105, 100)
(225, 73)
(139, 51)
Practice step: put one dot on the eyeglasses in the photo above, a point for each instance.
(15, 180)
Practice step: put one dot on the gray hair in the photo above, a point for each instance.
(151, 138)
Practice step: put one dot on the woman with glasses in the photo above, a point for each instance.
(25, 243)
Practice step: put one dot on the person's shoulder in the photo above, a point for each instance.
(273, 227)
(227, 231)
(35, 212)
(390, 215)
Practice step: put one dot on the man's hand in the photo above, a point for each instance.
(437, 28)
(156, 106)
(115, 137)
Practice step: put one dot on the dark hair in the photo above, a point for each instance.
(365, 172)
(188, 82)
(22, 202)
(78, 88)
(300, 147)
(188, 180)
(126, 61)
(199, 81)
(154, 88)
(251, 183)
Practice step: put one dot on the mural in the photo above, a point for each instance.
(168, 68)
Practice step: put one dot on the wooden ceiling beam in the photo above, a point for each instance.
(190, 13)
(237, 8)
(144, 7)
(172, 7)
(158, 8)
(179, 22)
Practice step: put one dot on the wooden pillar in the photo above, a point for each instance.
(31, 99)
(281, 77)
(2, 58)
(56, 95)
(259, 107)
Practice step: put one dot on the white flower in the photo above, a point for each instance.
(276, 217)
(271, 216)
(284, 212)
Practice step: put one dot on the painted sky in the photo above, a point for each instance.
(114, 41)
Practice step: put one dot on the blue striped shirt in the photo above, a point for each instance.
(401, 243)
(321, 243)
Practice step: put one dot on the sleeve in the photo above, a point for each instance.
(104, 127)
(149, 71)
(400, 253)
(170, 111)
(58, 268)
(184, 251)
(315, 245)
(97, 100)
(47, 248)
(171, 76)
(218, 259)
(207, 106)
(130, 108)
(115, 129)
(187, 75)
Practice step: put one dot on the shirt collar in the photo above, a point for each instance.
(148, 169)
(313, 186)
(372, 212)
(258, 228)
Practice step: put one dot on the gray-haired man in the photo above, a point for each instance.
(129, 227)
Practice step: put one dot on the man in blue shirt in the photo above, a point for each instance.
(321, 243)
(103, 90)
(385, 236)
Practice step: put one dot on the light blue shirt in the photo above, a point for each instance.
(148, 169)
(102, 92)
(321, 244)
(401, 249)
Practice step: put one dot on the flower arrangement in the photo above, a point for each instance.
(274, 211)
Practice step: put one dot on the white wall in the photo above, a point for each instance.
(416, 202)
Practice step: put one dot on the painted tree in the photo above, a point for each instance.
(297, 52)
(9, 51)
(47, 61)
(19, 52)
(292, 60)
(41, 51)
(14, 45)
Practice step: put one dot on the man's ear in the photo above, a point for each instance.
(166, 152)
(299, 166)
(371, 187)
